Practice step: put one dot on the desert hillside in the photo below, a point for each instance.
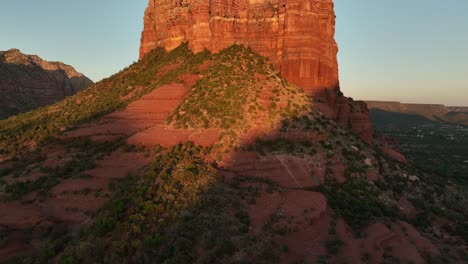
(213, 158)
(229, 141)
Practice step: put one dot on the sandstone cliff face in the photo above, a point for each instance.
(28, 82)
(296, 35)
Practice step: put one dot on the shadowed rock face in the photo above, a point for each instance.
(296, 35)
(28, 82)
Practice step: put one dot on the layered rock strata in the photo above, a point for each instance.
(296, 35)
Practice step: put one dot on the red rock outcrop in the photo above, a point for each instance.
(28, 82)
(353, 115)
(296, 35)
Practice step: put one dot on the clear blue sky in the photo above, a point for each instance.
(405, 50)
(97, 37)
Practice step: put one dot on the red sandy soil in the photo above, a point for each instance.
(150, 110)
(373, 175)
(29, 177)
(67, 204)
(304, 212)
(308, 242)
(15, 247)
(307, 218)
(204, 65)
(57, 155)
(18, 216)
(73, 199)
(66, 200)
(166, 69)
(400, 240)
(286, 170)
(295, 135)
(144, 120)
(165, 136)
(338, 167)
(407, 208)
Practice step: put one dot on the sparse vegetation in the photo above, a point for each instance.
(87, 152)
(358, 202)
(180, 205)
(228, 96)
(20, 134)
(180, 209)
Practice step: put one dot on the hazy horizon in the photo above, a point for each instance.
(411, 52)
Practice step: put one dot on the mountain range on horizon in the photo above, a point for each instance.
(229, 141)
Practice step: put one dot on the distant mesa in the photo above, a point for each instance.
(28, 82)
(431, 112)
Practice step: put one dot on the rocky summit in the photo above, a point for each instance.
(296, 35)
(28, 82)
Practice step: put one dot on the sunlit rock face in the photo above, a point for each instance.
(296, 35)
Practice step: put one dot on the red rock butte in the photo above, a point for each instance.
(296, 35)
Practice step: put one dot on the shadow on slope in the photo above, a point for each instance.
(281, 183)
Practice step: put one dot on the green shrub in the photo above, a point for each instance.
(333, 246)
(103, 226)
(357, 201)
(106, 96)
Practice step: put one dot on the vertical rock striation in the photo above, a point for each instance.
(296, 35)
